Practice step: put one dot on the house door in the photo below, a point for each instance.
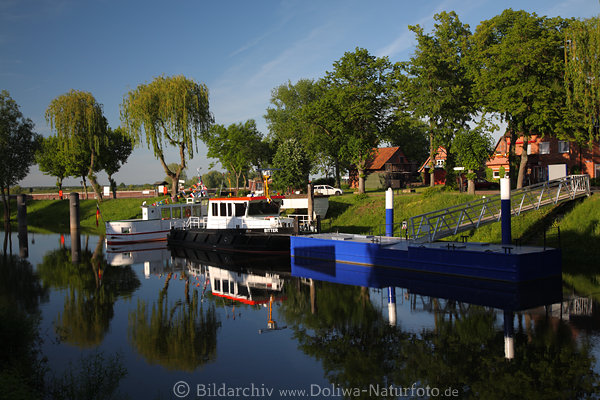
(596, 171)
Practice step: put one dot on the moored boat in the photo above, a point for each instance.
(156, 222)
(239, 224)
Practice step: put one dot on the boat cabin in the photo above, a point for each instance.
(246, 213)
(247, 288)
(197, 208)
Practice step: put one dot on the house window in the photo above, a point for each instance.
(544, 147)
(439, 163)
(563, 146)
(496, 174)
(528, 148)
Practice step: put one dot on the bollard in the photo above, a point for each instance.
(22, 221)
(505, 211)
(389, 212)
(392, 305)
(74, 227)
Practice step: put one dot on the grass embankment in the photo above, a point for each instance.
(53, 215)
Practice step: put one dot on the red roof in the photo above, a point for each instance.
(382, 155)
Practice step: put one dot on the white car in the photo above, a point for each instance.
(327, 190)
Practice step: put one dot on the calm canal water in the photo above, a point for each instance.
(274, 328)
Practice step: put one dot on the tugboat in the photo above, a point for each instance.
(238, 224)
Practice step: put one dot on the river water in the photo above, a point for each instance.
(158, 324)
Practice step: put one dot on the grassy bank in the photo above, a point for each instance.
(53, 215)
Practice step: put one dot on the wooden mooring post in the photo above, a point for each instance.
(74, 227)
(22, 221)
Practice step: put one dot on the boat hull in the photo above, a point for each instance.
(233, 240)
(139, 231)
(473, 260)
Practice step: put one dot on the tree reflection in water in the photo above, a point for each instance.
(21, 365)
(92, 286)
(178, 336)
(358, 348)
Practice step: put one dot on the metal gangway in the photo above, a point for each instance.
(449, 221)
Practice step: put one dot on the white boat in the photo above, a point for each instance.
(244, 287)
(156, 222)
(300, 202)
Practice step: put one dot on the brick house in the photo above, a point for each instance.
(439, 173)
(547, 157)
(387, 167)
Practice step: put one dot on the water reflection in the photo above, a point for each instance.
(180, 335)
(461, 351)
(92, 288)
(201, 310)
(21, 366)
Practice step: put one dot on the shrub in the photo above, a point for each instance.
(361, 196)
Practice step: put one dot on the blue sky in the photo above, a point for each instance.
(240, 49)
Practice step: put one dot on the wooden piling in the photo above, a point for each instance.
(74, 227)
(22, 221)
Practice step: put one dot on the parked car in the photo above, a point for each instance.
(327, 190)
(482, 184)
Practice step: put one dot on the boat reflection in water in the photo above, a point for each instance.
(445, 332)
(252, 279)
(506, 296)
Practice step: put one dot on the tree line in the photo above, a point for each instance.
(537, 74)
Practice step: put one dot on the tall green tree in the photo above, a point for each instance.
(517, 67)
(292, 166)
(118, 150)
(472, 146)
(582, 69)
(212, 179)
(237, 147)
(439, 89)
(353, 108)
(77, 119)
(51, 159)
(171, 111)
(287, 118)
(18, 144)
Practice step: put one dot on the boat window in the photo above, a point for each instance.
(240, 209)
(225, 286)
(217, 285)
(263, 208)
(215, 210)
(223, 209)
(243, 290)
(176, 212)
(165, 213)
(229, 209)
(126, 229)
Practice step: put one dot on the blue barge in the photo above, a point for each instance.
(471, 260)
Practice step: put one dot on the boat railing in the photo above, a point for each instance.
(304, 223)
(195, 222)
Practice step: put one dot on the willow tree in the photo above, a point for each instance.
(170, 111)
(582, 69)
(79, 123)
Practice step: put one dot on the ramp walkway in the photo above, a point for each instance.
(449, 221)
